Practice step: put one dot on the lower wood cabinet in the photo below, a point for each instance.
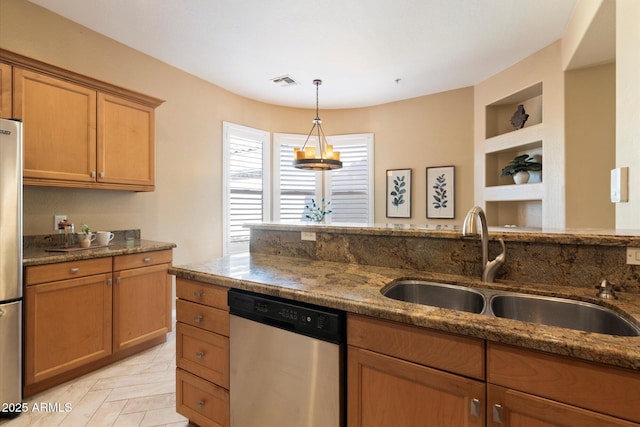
(82, 315)
(386, 391)
(533, 388)
(202, 353)
(142, 298)
(67, 325)
(516, 409)
(389, 385)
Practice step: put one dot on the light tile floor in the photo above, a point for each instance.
(137, 391)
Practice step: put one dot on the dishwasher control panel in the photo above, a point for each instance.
(315, 321)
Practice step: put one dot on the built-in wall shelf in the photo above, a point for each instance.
(513, 192)
(498, 114)
(518, 140)
(498, 142)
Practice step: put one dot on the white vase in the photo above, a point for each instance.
(521, 177)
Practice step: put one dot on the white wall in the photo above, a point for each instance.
(628, 107)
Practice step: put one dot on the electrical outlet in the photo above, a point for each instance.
(57, 219)
(633, 256)
(308, 235)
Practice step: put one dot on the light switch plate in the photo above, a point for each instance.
(308, 235)
(633, 256)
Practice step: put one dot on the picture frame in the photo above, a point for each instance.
(441, 192)
(399, 193)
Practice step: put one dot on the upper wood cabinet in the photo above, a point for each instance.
(59, 127)
(5, 91)
(125, 142)
(78, 131)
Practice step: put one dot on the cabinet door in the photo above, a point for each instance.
(5, 91)
(126, 152)
(510, 408)
(59, 127)
(141, 306)
(385, 391)
(67, 324)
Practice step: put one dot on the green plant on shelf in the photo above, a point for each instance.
(522, 163)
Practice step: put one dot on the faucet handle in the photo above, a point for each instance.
(606, 290)
(490, 270)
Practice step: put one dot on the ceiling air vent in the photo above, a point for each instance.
(284, 81)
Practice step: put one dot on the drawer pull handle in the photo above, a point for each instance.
(197, 319)
(200, 404)
(200, 354)
(198, 294)
(147, 259)
(498, 416)
(474, 409)
(74, 270)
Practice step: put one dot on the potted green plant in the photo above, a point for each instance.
(519, 168)
(317, 212)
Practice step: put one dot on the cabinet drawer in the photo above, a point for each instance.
(66, 270)
(201, 401)
(202, 316)
(142, 259)
(203, 353)
(441, 350)
(606, 389)
(202, 293)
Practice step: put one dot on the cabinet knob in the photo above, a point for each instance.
(198, 294)
(101, 174)
(200, 404)
(1, 313)
(109, 281)
(147, 259)
(93, 174)
(74, 270)
(118, 280)
(474, 408)
(498, 414)
(197, 319)
(200, 354)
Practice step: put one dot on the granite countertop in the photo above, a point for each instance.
(514, 234)
(356, 288)
(40, 255)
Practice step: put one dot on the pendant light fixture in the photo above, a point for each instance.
(307, 157)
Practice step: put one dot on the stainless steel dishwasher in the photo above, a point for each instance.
(286, 363)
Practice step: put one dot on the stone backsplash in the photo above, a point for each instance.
(578, 260)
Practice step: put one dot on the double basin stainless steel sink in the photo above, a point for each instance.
(551, 311)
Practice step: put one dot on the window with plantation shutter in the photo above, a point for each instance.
(246, 178)
(349, 189)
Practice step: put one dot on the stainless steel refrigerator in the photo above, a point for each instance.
(10, 267)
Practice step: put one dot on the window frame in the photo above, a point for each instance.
(230, 130)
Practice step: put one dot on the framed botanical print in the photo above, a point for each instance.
(399, 193)
(441, 192)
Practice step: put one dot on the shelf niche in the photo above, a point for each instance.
(498, 114)
(510, 213)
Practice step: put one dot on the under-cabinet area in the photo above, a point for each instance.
(402, 374)
(86, 313)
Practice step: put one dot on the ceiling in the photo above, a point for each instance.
(367, 52)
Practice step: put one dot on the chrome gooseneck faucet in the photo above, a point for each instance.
(470, 229)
